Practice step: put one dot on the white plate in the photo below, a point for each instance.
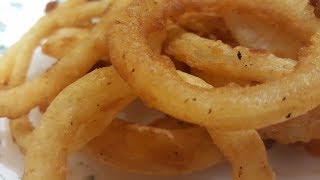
(16, 16)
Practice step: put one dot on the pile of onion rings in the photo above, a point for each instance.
(227, 74)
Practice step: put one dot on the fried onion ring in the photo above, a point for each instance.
(155, 80)
(68, 38)
(238, 62)
(157, 151)
(246, 152)
(66, 127)
(15, 62)
(63, 73)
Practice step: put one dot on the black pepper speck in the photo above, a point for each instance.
(239, 55)
(289, 115)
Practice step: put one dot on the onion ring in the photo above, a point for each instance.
(303, 128)
(246, 152)
(65, 132)
(67, 38)
(190, 148)
(14, 66)
(217, 57)
(64, 123)
(49, 84)
(154, 79)
(153, 150)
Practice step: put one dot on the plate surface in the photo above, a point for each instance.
(16, 16)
